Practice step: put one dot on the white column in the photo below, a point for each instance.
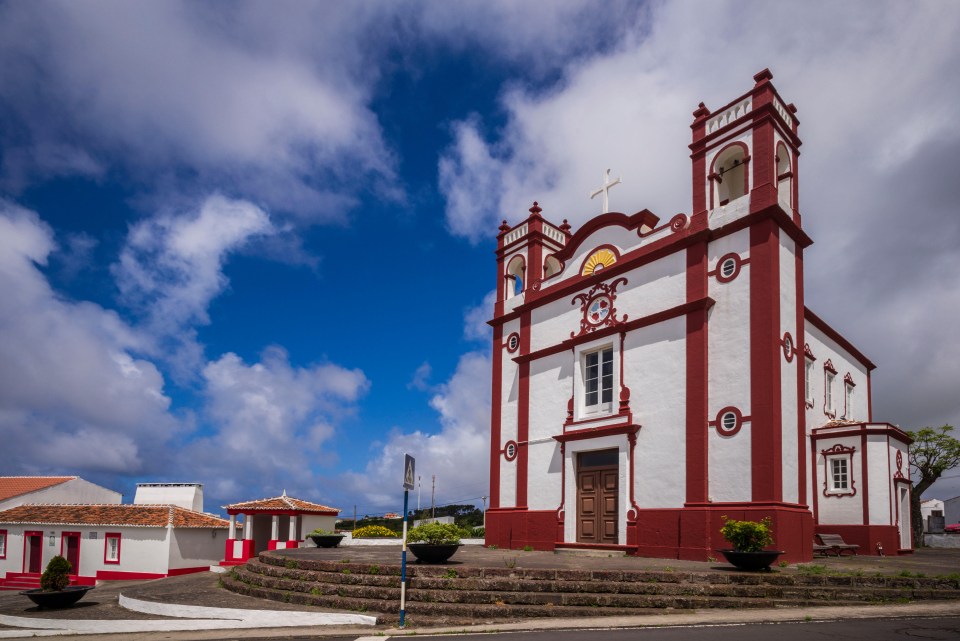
(233, 527)
(248, 526)
(293, 528)
(274, 527)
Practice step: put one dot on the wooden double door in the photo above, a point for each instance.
(597, 497)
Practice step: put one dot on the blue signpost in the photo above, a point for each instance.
(409, 466)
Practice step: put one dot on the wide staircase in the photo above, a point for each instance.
(455, 594)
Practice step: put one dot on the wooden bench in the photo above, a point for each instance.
(835, 543)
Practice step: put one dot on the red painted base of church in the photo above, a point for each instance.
(690, 533)
(867, 537)
(246, 551)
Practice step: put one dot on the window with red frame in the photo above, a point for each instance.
(111, 550)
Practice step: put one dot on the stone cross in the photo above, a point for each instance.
(605, 189)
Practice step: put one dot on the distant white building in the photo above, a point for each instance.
(186, 495)
(17, 490)
(951, 510)
(928, 508)
(107, 542)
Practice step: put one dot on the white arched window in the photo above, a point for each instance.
(784, 177)
(515, 275)
(730, 175)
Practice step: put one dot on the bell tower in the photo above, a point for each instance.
(747, 149)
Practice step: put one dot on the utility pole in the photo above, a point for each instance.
(433, 488)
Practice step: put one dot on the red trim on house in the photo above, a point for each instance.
(596, 432)
(835, 336)
(766, 431)
(697, 459)
(26, 559)
(789, 346)
(801, 381)
(854, 429)
(506, 450)
(76, 535)
(193, 570)
(119, 575)
(106, 547)
(614, 250)
(836, 451)
(523, 415)
(717, 272)
(712, 176)
(701, 304)
(865, 478)
(722, 430)
(495, 409)
(641, 219)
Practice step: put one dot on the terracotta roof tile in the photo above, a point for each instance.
(282, 503)
(103, 515)
(11, 486)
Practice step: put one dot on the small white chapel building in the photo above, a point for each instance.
(652, 377)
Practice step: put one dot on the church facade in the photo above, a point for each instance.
(653, 377)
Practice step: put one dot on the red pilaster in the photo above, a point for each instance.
(523, 413)
(801, 362)
(697, 477)
(495, 409)
(765, 353)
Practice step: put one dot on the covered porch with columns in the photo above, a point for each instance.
(273, 524)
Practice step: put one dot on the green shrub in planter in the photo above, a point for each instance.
(374, 532)
(321, 532)
(56, 576)
(747, 536)
(436, 534)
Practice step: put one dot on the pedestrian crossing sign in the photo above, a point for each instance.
(409, 465)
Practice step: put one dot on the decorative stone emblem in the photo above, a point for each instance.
(598, 307)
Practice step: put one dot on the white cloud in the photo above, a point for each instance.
(73, 394)
(879, 132)
(458, 454)
(271, 423)
(172, 267)
(475, 319)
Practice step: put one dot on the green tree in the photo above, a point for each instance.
(933, 452)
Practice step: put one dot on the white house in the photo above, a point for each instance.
(104, 542)
(652, 377)
(17, 490)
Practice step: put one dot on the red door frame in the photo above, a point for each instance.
(71, 535)
(26, 557)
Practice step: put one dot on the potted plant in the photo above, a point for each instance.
(434, 542)
(325, 538)
(55, 590)
(749, 538)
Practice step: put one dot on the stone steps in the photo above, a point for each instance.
(454, 594)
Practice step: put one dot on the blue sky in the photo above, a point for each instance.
(250, 244)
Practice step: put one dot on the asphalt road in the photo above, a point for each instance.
(928, 629)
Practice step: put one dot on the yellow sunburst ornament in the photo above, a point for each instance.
(598, 260)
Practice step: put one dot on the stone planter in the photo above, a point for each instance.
(326, 540)
(59, 599)
(751, 561)
(433, 552)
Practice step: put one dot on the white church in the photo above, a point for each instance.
(652, 377)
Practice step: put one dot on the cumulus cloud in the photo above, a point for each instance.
(475, 319)
(271, 423)
(876, 193)
(69, 370)
(457, 454)
(172, 267)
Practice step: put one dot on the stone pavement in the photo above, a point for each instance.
(100, 611)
